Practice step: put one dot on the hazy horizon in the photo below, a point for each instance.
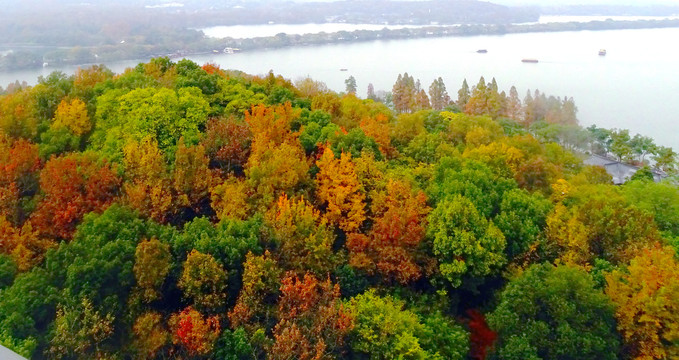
(587, 2)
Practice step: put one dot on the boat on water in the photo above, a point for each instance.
(533, 61)
(230, 50)
(482, 51)
(602, 52)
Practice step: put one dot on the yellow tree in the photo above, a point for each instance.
(567, 237)
(147, 187)
(277, 162)
(191, 177)
(328, 102)
(73, 115)
(503, 158)
(152, 261)
(18, 114)
(270, 127)
(279, 169)
(150, 335)
(80, 331)
(377, 127)
(303, 235)
(647, 307)
(261, 282)
(478, 102)
(340, 190)
(25, 245)
(230, 199)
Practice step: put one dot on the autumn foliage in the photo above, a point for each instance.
(194, 332)
(481, 336)
(646, 299)
(312, 323)
(73, 186)
(19, 166)
(179, 211)
(392, 248)
(73, 116)
(340, 191)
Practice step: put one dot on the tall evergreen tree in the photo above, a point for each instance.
(513, 108)
(350, 84)
(478, 101)
(371, 92)
(463, 95)
(438, 94)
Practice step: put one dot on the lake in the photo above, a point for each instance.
(634, 86)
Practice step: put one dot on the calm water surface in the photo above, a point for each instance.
(634, 86)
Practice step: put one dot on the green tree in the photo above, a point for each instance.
(385, 330)
(601, 140)
(234, 345)
(620, 144)
(463, 95)
(660, 199)
(521, 219)
(162, 114)
(644, 173)
(99, 263)
(26, 308)
(350, 84)
(642, 146)
(79, 332)
(464, 242)
(228, 242)
(553, 312)
(8, 271)
(666, 159)
(203, 281)
(473, 180)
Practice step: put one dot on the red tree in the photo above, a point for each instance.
(399, 226)
(73, 186)
(481, 336)
(196, 333)
(312, 322)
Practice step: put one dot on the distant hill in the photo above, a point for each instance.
(98, 22)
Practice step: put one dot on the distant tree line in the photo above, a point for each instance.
(548, 118)
(166, 37)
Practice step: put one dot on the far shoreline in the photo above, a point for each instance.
(113, 53)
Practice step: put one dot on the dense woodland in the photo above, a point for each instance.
(183, 212)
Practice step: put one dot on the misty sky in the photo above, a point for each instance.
(587, 2)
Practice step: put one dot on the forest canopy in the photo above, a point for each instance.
(191, 212)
